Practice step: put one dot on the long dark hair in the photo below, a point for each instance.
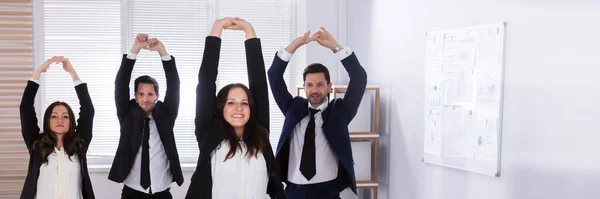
(255, 135)
(72, 142)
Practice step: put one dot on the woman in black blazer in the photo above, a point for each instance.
(232, 128)
(57, 155)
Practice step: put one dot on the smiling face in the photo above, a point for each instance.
(316, 88)
(237, 108)
(60, 120)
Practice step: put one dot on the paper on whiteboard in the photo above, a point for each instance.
(460, 89)
(434, 49)
(487, 142)
(434, 95)
(465, 86)
(448, 85)
(459, 51)
(489, 53)
(433, 132)
(451, 130)
(469, 132)
(487, 87)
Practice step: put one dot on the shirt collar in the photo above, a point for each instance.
(321, 107)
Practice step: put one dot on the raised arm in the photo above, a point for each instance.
(86, 110)
(29, 123)
(207, 76)
(358, 75)
(356, 86)
(172, 96)
(278, 87)
(257, 77)
(124, 76)
(122, 86)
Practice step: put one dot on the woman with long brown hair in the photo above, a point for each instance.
(57, 155)
(236, 159)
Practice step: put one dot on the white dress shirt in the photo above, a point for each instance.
(160, 169)
(240, 177)
(60, 178)
(286, 56)
(133, 56)
(325, 160)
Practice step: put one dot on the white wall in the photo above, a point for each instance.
(550, 133)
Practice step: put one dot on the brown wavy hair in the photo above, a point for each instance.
(254, 134)
(72, 142)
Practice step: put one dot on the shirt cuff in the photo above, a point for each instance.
(35, 81)
(131, 56)
(344, 53)
(77, 82)
(166, 58)
(284, 55)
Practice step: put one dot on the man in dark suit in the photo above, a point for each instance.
(313, 155)
(146, 160)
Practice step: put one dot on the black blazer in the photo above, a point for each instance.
(336, 118)
(208, 126)
(31, 134)
(131, 117)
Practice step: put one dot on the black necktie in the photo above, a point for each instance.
(145, 178)
(308, 167)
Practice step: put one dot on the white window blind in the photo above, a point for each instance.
(90, 34)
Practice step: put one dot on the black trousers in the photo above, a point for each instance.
(129, 193)
(323, 190)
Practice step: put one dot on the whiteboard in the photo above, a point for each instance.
(464, 71)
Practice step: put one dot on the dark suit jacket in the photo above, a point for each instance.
(31, 134)
(336, 118)
(208, 126)
(131, 117)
